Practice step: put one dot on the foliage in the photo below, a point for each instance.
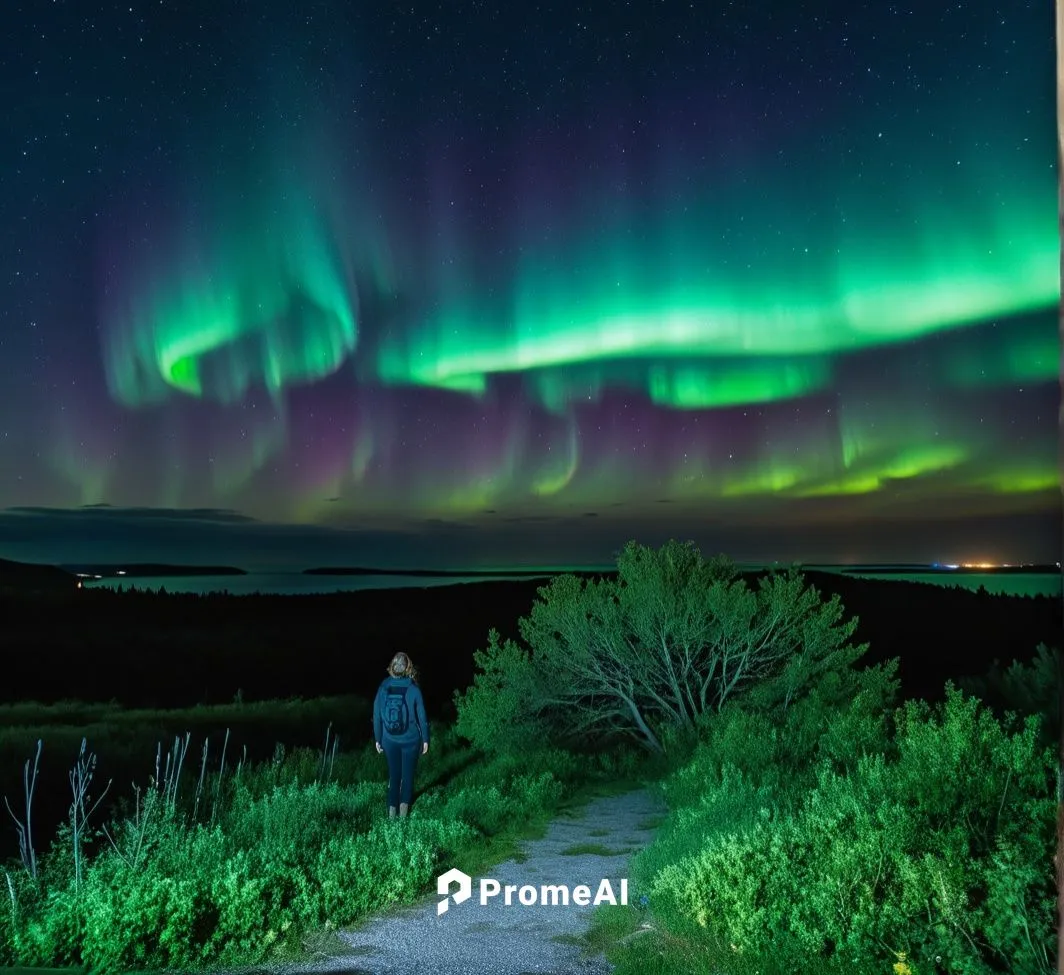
(749, 758)
(503, 710)
(1032, 687)
(286, 853)
(931, 853)
(671, 639)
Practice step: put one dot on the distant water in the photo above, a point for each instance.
(295, 583)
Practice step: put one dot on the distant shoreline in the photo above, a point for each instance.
(139, 570)
(146, 570)
(330, 584)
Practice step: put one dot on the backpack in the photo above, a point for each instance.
(396, 715)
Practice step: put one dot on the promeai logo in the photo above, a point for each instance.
(528, 895)
(443, 888)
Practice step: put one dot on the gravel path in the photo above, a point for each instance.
(495, 939)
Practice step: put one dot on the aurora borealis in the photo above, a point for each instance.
(547, 278)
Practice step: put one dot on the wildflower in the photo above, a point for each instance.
(901, 966)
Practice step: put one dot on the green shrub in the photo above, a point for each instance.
(497, 712)
(941, 852)
(645, 655)
(1025, 688)
(559, 764)
(750, 741)
(843, 714)
(848, 715)
(840, 719)
(393, 862)
(292, 816)
(727, 802)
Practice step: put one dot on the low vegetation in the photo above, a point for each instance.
(815, 819)
(924, 845)
(240, 863)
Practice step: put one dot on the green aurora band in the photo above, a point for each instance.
(265, 302)
(727, 305)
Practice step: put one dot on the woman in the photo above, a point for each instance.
(400, 730)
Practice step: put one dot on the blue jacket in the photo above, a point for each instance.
(417, 729)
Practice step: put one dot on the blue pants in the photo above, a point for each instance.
(402, 761)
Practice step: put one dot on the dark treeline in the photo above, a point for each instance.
(174, 650)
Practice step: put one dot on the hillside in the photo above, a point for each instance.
(30, 577)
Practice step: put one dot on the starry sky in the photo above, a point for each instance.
(500, 284)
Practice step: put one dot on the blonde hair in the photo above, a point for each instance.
(402, 666)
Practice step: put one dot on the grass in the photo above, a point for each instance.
(590, 849)
(326, 944)
(507, 845)
(569, 939)
(113, 718)
(125, 740)
(122, 736)
(16, 970)
(635, 942)
(635, 947)
(611, 925)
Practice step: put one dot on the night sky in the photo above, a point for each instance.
(474, 283)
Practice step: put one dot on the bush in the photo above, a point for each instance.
(841, 718)
(1033, 687)
(844, 716)
(940, 853)
(498, 712)
(645, 655)
(751, 759)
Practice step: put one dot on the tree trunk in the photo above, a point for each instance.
(644, 728)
